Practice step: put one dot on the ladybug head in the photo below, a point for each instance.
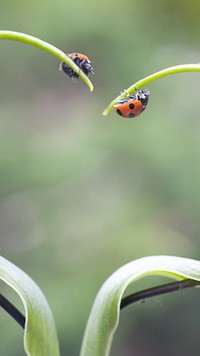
(84, 64)
(143, 96)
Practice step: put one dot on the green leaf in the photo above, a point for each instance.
(40, 338)
(104, 316)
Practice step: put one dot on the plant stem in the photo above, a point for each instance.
(12, 311)
(34, 41)
(150, 78)
(159, 290)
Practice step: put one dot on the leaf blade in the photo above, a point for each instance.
(40, 336)
(104, 316)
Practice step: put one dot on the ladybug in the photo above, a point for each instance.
(81, 61)
(133, 105)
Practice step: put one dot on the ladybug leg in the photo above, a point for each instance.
(60, 66)
(124, 93)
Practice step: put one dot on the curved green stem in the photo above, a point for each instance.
(150, 78)
(34, 41)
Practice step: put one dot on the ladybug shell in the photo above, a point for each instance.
(79, 55)
(133, 105)
(129, 108)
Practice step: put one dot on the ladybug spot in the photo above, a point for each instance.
(119, 112)
(131, 115)
(131, 106)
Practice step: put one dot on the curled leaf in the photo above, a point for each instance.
(104, 316)
(40, 338)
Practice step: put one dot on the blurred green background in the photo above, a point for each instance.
(83, 194)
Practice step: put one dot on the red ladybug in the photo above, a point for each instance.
(133, 105)
(81, 61)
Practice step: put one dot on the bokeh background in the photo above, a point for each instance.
(83, 194)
